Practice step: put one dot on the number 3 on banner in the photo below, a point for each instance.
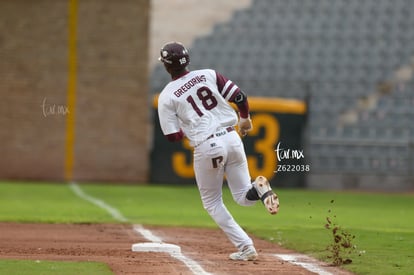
(264, 147)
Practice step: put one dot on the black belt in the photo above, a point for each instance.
(228, 129)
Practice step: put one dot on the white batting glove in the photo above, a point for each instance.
(245, 125)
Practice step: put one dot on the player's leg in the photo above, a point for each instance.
(209, 160)
(237, 172)
(238, 177)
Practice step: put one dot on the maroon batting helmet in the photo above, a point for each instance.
(174, 55)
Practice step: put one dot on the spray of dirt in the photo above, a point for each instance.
(341, 247)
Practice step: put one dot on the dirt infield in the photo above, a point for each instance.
(111, 244)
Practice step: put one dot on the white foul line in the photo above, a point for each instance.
(147, 234)
(303, 261)
(100, 203)
(190, 263)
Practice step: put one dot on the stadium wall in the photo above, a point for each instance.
(110, 116)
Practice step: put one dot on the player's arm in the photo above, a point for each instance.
(245, 123)
(240, 99)
(232, 93)
(174, 137)
(169, 121)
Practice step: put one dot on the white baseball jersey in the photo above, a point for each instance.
(197, 104)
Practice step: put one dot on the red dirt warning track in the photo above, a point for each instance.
(111, 244)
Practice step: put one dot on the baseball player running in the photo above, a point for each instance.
(195, 105)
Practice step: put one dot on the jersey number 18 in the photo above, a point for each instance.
(207, 99)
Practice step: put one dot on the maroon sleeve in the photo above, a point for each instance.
(221, 81)
(226, 87)
(230, 91)
(242, 106)
(175, 136)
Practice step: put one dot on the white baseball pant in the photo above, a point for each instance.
(223, 154)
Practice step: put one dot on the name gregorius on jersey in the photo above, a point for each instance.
(189, 84)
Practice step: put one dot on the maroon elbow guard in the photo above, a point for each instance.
(242, 104)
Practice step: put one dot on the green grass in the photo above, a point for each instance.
(26, 267)
(45, 202)
(381, 223)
